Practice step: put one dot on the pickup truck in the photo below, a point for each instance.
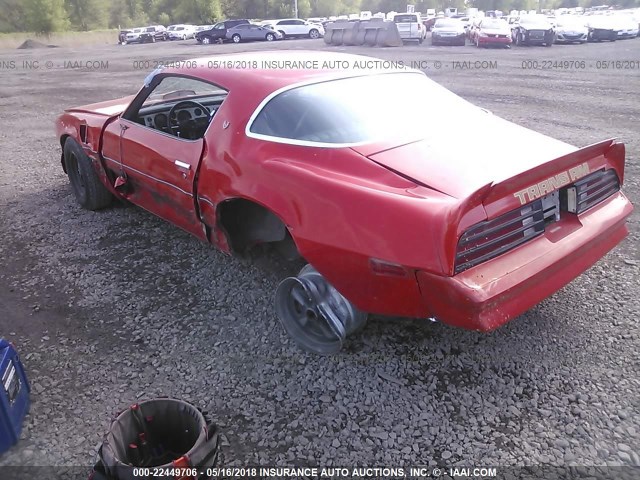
(410, 27)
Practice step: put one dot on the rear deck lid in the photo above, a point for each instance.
(458, 162)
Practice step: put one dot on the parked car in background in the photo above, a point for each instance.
(448, 31)
(169, 29)
(133, 36)
(601, 27)
(152, 33)
(533, 30)
(218, 32)
(410, 27)
(122, 36)
(571, 29)
(626, 26)
(492, 31)
(182, 32)
(296, 27)
(248, 32)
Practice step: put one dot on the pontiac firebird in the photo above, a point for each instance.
(393, 213)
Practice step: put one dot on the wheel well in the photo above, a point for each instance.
(63, 139)
(248, 224)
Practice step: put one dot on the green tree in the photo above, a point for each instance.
(12, 16)
(304, 8)
(45, 16)
(87, 14)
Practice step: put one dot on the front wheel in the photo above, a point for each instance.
(89, 191)
(236, 38)
(270, 37)
(206, 40)
(314, 33)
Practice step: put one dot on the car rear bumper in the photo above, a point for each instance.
(493, 293)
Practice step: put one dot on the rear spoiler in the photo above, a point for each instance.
(570, 164)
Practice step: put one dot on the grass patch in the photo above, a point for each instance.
(61, 39)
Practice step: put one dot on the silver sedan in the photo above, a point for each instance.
(246, 32)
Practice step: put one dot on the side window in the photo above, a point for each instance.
(297, 22)
(219, 26)
(177, 105)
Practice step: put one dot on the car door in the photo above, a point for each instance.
(299, 27)
(255, 33)
(157, 167)
(285, 27)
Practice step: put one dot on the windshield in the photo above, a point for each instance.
(446, 23)
(359, 110)
(534, 20)
(494, 24)
(405, 18)
(571, 22)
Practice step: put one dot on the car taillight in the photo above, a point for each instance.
(590, 190)
(491, 238)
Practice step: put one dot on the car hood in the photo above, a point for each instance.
(491, 152)
(107, 108)
(496, 31)
(448, 30)
(571, 28)
(537, 26)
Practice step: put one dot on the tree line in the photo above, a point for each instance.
(47, 16)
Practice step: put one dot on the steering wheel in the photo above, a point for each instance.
(184, 104)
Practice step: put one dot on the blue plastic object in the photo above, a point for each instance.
(14, 395)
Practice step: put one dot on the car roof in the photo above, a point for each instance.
(262, 80)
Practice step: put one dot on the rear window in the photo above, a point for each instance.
(357, 110)
(405, 18)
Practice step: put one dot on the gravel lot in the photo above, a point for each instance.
(112, 307)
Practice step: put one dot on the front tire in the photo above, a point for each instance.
(314, 33)
(206, 40)
(236, 38)
(89, 191)
(270, 37)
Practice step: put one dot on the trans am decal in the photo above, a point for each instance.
(538, 190)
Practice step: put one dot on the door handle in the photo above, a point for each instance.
(180, 164)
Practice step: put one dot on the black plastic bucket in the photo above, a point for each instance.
(160, 438)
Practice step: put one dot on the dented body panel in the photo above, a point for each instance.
(382, 221)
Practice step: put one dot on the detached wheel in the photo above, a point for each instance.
(314, 33)
(236, 38)
(314, 314)
(89, 191)
(270, 37)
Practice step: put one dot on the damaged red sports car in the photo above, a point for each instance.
(393, 214)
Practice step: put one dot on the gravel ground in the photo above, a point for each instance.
(112, 307)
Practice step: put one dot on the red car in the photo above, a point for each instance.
(394, 214)
(491, 31)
